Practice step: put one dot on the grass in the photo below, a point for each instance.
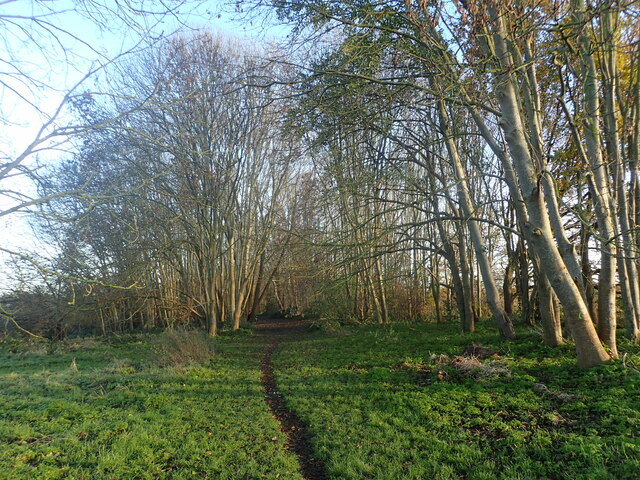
(381, 402)
(373, 401)
(103, 410)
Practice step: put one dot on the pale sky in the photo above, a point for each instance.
(46, 47)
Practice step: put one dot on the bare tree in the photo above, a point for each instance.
(212, 163)
(49, 66)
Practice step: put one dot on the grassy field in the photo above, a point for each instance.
(385, 403)
(115, 414)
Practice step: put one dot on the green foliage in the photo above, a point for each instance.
(375, 400)
(121, 417)
(377, 409)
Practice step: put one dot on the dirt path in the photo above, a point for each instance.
(298, 437)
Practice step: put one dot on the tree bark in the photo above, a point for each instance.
(589, 349)
(505, 326)
(599, 185)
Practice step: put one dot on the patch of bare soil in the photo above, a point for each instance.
(298, 437)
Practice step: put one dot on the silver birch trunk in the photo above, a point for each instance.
(589, 349)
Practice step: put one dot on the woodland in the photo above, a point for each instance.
(396, 161)
(415, 221)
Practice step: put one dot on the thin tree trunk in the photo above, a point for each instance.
(505, 327)
(627, 268)
(599, 186)
(459, 272)
(523, 282)
(466, 277)
(549, 314)
(506, 288)
(435, 287)
(589, 350)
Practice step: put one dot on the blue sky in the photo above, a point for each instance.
(59, 59)
(47, 46)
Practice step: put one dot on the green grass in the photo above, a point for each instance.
(101, 409)
(119, 416)
(376, 416)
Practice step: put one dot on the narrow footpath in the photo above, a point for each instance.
(298, 437)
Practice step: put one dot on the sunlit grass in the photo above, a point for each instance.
(118, 416)
(370, 396)
(374, 418)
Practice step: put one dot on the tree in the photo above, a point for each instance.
(211, 162)
(486, 64)
(42, 38)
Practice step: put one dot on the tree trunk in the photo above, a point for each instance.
(459, 271)
(506, 289)
(589, 350)
(549, 315)
(627, 267)
(599, 185)
(505, 327)
(435, 287)
(523, 282)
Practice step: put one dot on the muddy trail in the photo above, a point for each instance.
(298, 436)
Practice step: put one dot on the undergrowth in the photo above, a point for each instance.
(182, 347)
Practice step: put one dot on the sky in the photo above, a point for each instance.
(48, 46)
(55, 44)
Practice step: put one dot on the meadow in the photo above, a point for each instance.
(404, 401)
(401, 402)
(104, 409)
